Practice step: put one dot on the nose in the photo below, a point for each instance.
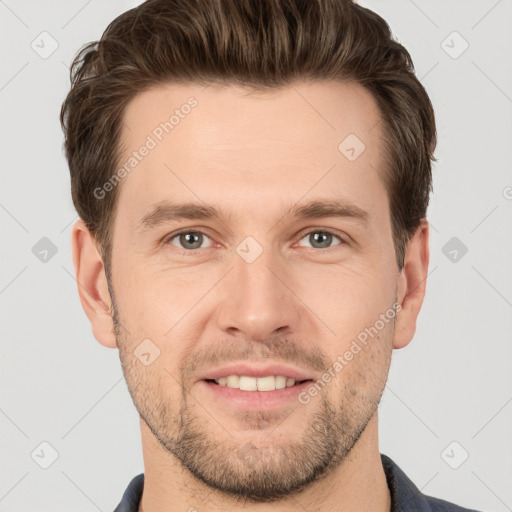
(258, 299)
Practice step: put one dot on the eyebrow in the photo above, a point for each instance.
(166, 211)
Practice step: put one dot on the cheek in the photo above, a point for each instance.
(357, 305)
(361, 367)
(165, 307)
(157, 303)
(154, 388)
(351, 298)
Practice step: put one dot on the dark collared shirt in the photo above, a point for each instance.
(405, 496)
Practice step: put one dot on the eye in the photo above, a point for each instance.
(190, 240)
(321, 239)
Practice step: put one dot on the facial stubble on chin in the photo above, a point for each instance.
(255, 471)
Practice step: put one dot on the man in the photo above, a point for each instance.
(252, 179)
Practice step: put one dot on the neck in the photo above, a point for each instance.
(357, 483)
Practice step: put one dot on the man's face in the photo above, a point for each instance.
(256, 284)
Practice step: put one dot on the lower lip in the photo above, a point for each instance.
(260, 400)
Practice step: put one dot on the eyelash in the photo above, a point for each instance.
(191, 252)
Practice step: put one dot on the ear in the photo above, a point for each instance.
(412, 283)
(92, 284)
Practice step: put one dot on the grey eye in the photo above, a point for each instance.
(189, 240)
(321, 239)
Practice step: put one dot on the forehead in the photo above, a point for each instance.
(224, 143)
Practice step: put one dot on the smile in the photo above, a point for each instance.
(248, 383)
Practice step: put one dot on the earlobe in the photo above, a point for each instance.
(411, 285)
(92, 284)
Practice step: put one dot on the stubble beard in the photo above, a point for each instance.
(246, 466)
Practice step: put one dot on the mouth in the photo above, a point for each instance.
(261, 384)
(249, 394)
(246, 385)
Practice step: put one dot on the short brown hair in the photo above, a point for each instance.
(260, 44)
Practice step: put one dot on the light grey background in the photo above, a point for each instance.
(453, 383)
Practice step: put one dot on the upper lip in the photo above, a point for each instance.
(256, 371)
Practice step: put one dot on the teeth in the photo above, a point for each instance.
(265, 383)
(247, 383)
(233, 381)
(280, 382)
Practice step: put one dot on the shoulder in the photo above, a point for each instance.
(439, 505)
(132, 495)
(406, 497)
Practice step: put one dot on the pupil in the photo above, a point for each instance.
(324, 239)
(191, 238)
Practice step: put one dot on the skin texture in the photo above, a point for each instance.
(300, 302)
